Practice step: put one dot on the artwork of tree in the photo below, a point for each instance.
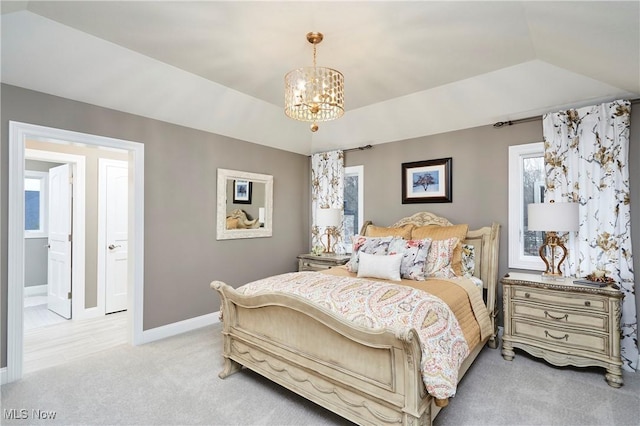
(424, 180)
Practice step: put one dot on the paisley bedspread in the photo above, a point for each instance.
(379, 304)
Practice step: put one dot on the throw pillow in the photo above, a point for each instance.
(439, 258)
(436, 232)
(371, 245)
(380, 266)
(414, 257)
(468, 260)
(379, 231)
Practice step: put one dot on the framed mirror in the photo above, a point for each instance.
(245, 205)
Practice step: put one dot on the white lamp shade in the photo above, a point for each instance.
(328, 217)
(558, 217)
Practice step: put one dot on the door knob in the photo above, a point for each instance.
(112, 247)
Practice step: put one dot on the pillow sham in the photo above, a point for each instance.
(379, 231)
(370, 245)
(436, 232)
(380, 266)
(439, 258)
(468, 260)
(414, 257)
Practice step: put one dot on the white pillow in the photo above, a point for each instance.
(380, 266)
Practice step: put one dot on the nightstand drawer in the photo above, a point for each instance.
(583, 301)
(312, 262)
(561, 316)
(309, 265)
(562, 337)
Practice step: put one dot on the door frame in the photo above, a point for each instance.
(18, 135)
(78, 169)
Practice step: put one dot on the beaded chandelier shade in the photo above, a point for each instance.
(315, 93)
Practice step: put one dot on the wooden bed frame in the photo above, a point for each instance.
(368, 377)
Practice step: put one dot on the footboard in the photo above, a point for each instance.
(369, 377)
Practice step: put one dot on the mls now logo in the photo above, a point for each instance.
(23, 414)
(15, 414)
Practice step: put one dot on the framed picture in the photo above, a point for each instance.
(242, 191)
(427, 181)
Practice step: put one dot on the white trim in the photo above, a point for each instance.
(179, 327)
(79, 173)
(517, 259)
(18, 134)
(3, 376)
(35, 290)
(357, 171)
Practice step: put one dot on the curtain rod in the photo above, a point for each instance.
(360, 148)
(500, 124)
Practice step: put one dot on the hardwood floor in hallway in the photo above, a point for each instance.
(68, 340)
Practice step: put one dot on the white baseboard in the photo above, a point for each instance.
(35, 290)
(3, 376)
(180, 327)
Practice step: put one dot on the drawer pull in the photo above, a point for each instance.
(565, 337)
(527, 295)
(565, 317)
(587, 303)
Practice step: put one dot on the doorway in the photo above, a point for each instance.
(76, 275)
(19, 133)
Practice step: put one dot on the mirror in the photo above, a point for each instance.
(245, 205)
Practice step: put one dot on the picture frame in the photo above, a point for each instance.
(242, 191)
(427, 181)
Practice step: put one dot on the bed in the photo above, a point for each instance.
(366, 375)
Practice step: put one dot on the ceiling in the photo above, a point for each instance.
(411, 68)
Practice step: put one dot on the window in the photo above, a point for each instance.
(353, 202)
(35, 204)
(526, 186)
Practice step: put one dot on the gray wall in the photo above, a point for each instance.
(480, 178)
(35, 261)
(182, 255)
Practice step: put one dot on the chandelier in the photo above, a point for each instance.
(314, 93)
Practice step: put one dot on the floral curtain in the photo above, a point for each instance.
(586, 161)
(327, 190)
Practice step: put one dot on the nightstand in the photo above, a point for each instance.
(312, 262)
(563, 323)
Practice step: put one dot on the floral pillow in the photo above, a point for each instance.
(439, 258)
(414, 257)
(370, 245)
(468, 260)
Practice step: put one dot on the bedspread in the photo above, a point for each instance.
(463, 297)
(379, 304)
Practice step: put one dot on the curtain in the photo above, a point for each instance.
(586, 161)
(327, 191)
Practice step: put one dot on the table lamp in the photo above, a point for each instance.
(328, 218)
(553, 218)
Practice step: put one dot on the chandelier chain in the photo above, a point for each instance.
(314, 55)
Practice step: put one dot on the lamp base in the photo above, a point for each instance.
(547, 276)
(554, 243)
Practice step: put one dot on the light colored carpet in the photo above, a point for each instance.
(175, 382)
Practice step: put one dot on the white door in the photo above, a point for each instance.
(59, 259)
(114, 181)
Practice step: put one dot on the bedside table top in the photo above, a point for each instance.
(337, 258)
(564, 284)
